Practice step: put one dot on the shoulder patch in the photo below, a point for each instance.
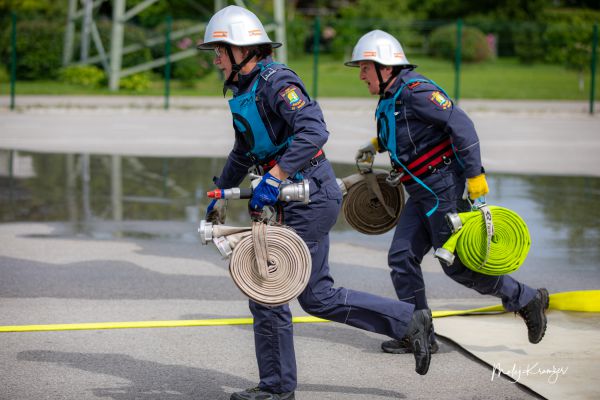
(440, 100)
(293, 97)
(414, 85)
(267, 72)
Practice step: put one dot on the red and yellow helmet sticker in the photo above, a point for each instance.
(219, 34)
(255, 32)
(440, 100)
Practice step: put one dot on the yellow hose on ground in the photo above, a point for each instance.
(583, 301)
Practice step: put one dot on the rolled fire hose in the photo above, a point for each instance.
(269, 264)
(492, 240)
(371, 206)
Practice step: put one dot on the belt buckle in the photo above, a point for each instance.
(393, 178)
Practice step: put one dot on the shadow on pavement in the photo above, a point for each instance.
(154, 381)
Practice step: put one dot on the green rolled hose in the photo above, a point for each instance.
(508, 247)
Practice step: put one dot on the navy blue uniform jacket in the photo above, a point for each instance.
(425, 116)
(286, 109)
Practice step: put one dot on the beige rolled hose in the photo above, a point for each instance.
(271, 265)
(372, 206)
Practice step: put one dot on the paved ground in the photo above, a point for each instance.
(49, 275)
(136, 270)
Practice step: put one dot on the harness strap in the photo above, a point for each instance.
(235, 67)
(429, 160)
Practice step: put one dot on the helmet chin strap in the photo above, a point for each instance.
(235, 67)
(382, 84)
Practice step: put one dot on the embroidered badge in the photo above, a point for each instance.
(440, 100)
(266, 74)
(293, 97)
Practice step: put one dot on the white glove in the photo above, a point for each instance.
(366, 153)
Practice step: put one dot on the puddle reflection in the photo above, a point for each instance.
(561, 212)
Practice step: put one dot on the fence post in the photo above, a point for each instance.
(13, 59)
(168, 59)
(457, 60)
(593, 68)
(316, 48)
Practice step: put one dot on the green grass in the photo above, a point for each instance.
(499, 79)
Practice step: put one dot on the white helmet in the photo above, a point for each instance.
(236, 26)
(380, 47)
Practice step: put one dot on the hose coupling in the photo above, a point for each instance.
(295, 192)
(454, 222)
(342, 186)
(444, 255)
(206, 231)
(223, 245)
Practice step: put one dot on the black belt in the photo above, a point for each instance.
(313, 162)
(316, 160)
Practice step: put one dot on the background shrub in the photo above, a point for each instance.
(4, 75)
(475, 48)
(83, 75)
(568, 36)
(39, 48)
(136, 82)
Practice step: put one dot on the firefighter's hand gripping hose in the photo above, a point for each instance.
(371, 206)
(491, 240)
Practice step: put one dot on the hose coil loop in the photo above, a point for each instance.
(509, 244)
(288, 267)
(362, 206)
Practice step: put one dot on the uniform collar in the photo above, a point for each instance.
(244, 82)
(402, 77)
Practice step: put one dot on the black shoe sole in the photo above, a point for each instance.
(433, 348)
(428, 330)
(546, 302)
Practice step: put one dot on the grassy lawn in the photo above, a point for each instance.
(499, 79)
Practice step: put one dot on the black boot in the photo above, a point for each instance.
(418, 332)
(402, 346)
(534, 314)
(258, 394)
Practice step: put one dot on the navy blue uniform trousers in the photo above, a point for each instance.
(273, 330)
(416, 234)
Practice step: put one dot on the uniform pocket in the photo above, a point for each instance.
(333, 192)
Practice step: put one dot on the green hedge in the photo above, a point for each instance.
(568, 36)
(83, 75)
(474, 44)
(39, 48)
